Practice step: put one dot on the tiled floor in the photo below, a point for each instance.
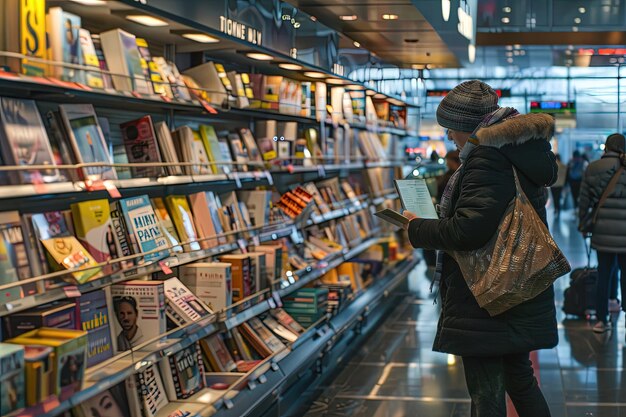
(396, 374)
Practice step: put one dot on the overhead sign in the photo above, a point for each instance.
(552, 107)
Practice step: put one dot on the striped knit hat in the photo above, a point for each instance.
(466, 105)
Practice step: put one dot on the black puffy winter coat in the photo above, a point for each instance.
(481, 196)
(609, 231)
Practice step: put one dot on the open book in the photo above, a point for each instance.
(415, 198)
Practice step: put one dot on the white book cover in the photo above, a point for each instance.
(192, 145)
(151, 391)
(64, 44)
(210, 281)
(207, 77)
(183, 307)
(122, 57)
(166, 146)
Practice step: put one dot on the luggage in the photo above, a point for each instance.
(580, 298)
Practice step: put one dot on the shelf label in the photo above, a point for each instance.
(95, 185)
(112, 189)
(165, 267)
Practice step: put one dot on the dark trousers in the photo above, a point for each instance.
(575, 187)
(556, 197)
(606, 276)
(488, 378)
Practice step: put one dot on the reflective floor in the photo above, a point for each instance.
(396, 374)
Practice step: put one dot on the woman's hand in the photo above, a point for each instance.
(409, 216)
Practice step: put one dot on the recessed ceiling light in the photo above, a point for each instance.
(577, 20)
(509, 60)
(390, 17)
(335, 81)
(506, 9)
(522, 52)
(418, 66)
(510, 53)
(91, 2)
(146, 20)
(314, 74)
(259, 56)
(505, 19)
(348, 17)
(291, 67)
(200, 37)
(429, 66)
(358, 45)
(517, 46)
(516, 53)
(575, 29)
(581, 10)
(509, 47)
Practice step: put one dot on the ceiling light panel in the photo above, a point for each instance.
(147, 20)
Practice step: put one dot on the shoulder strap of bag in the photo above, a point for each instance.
(609, 188)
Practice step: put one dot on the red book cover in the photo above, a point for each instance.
(141, 146)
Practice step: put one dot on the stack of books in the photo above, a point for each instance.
(307, 305)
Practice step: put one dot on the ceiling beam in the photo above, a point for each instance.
(550, 38)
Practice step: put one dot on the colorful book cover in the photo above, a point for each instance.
(60, 315)
(66, 252)
(183, 372)
(140, 142)
(122, 56)
(39, 366)
(70, 353)
(140, 313)
(87, 139)
(211, 282)
(109, 403)
(24, 140)
(120, 234)
(63, 36)
(33, 36)
(171, 74)
(182, 305)
(93, 227)
(183, 220)
(211, 143)
(192, 150)
(96, 321)
(150, 390)
(239, 152)
(217, 353)
(90, 59)
(203, 221)
(13, 255)
(159, 83)
(250, 145)
(143, 226)
(12, 382)
(102, 63)
(241, 280)
(268, 337)
(165, 221)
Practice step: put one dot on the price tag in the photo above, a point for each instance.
(243, 245)
(290, 168)
(112, 189)
(37, 180)
(208, 107)
(71, 291)
(165, 267)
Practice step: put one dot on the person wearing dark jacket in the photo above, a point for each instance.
(608, 237)
(452, 162)
(495, 350)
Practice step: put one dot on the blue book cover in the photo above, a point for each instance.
(12, 382)
(95, 320)
(71, 47)
(143, 226)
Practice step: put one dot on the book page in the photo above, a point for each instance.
(416, 198)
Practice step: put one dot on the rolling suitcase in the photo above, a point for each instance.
(580, 298)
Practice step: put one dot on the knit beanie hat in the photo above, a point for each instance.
(615, 143)
(466, 105)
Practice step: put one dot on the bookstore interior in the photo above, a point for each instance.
(188, 193)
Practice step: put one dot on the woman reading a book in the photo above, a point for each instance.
(495, 350)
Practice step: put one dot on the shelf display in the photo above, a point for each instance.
(175, 235)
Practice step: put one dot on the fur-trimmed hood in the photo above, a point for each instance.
(517, 130)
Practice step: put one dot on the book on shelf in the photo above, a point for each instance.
(146, 392)
(123, 245)
(191, 149)
(23, 141)
(273, 260)
(279, 330)
(213, 149)
(12, 382)
(243, 348)
(170, 72)
(112, 402)
(210, 281)
(93, 227)
(258, 268)
(226, 154)
(66, 252)
(320, 96)
(40, 226)
(207, 77)
(143, 227)
(70, 356)
(145, 58)
(182, 305)
(183, 372)
(215, 351)
(180, 211)
(250, 145)
(14, 256)
(221, 73)
(259, 336)
(60, 315)
(203, 220)
(39, 373)
(287, 321)
(289, 97)
(89, 58)
(140, 312)
(95, 312)
(166, 223)
(87, 140)
(214, 206)
(64, 43)
(141, 145)
(271, 92)
(253, 101)
(238, 89)
(258, 204)
(194, 88)
(102, 63)
(239, 152)
(24, 31)
(124, 61)
(167, 148)
(240, 269)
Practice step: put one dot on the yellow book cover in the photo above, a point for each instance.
(67, 253)
(165, 221)
(346, 271)
(203, 219)
(39, 365)
(211, 145)
(93, 227)
(183, 221)
(221, 72)
(33, 35)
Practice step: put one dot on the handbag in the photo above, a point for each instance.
(588, 221)
(518, 263)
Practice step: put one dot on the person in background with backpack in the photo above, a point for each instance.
(575, 171)
(605, 180)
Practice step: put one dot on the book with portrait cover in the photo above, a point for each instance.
(93, 227)
(12, 384)
(139, 308)
(64, 43)
(182, 305)
(143, 227)
(24, 141)
(183, 372)
(140, 143)
(113, 402)
(87, 140)
(95, 318)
